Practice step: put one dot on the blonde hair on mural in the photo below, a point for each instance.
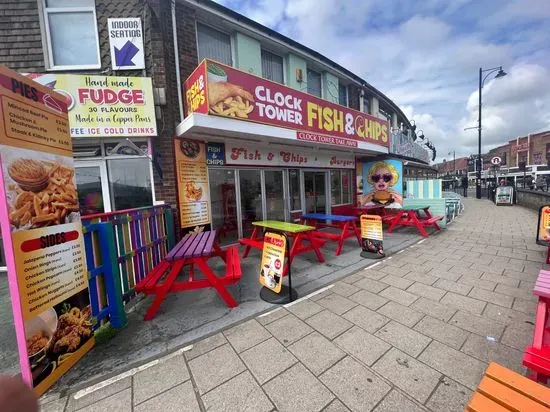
(383, 165)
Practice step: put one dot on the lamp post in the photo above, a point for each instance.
(501, 73)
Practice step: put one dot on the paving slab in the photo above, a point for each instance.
(403, 338)
(450, 396)
(241, 393)
(526, 306)
(205, 345)
(357, 387)
(365, 318)
(268, 359)
(336, 406)
(518, 335)
(402, 314)
(305, 308)
(434, 309)
(272, 316)
(181, 398)
(502, 279)
(486, 350)
(505, 315)
(397, 281)
(477, 324)
(316, 352)
(396, 401)
(368, 299)
(336, 303)
(491, 297)
(288, 329)
(399, 296)
(441, 331)
(362, 345)
(429, 292)
(329, 324)
(344, 289)
(413, 377)
(453, 286)
(90, 399)
(371, 285)
(520, 293)
(119, 402)
(422, 277)
(463, 302)
(246, 335)
(297, 389)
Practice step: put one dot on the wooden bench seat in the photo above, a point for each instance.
(502, 390)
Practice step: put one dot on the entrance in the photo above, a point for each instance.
(315, 184)
(93, 192)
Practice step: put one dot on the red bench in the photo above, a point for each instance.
(192, 250)
(537, 356)
(410, 216)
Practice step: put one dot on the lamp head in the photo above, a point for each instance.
(501, 73)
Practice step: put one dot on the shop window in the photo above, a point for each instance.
(213, 44)
(537, 158)
(366, 105)
(223, 199)
(272, 67)
(71, 34)
(314, 83)
(342, 95)
(130, 183)
(347, 195)
(336, 187)
(294, 187)
(251, 198)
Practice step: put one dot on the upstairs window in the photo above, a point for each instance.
(314, 83)
(342, 95)
(272, 67)
(71, 34)
(366, 105)
(213, 44)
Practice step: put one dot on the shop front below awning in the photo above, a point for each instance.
(216, 128)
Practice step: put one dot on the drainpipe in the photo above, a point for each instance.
(177, 59)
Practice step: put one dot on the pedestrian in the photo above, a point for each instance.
(15, 396)
(539, 182)
(465, 185)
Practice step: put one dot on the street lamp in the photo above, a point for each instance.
(500, 73)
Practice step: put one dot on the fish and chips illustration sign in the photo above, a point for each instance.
(220, 90)
(41, 231)
(273, 261)
(102, 106)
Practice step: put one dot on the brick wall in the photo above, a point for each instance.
(20, 38)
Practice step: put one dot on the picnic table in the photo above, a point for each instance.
(410, 216)
(299, 233)
(192, 250)
(537, 356)
(369, 209)
(345, 224)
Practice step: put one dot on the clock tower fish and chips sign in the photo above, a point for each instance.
(220, 90)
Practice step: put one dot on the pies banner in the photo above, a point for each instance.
(42, 232)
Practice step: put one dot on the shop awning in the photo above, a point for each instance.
(216, 128)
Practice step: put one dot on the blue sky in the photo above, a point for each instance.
(425, 55)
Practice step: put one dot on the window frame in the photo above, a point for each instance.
(342, 172)
(231, 41)
(308, 69)
(45, 29)
(263, 49)
(345, 87)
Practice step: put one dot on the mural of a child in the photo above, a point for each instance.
(380, 178)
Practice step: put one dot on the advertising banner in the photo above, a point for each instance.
(41, 231)
(543, 228)
(103, 106)
(193, 191)
(381, 183)
(126, 43)
(372, 236)
(504, 195)
(273, 261)
(215, 154)
(248, 155)
(220, 90)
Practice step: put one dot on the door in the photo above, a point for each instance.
(315, 187)
(92, 186)
(274, 195)
(250, 186)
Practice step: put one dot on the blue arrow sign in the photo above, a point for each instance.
(124, 55)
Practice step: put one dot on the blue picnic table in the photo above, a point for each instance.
(345, 224)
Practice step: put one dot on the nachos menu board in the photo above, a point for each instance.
(41, 231)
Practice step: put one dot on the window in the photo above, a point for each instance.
(272, 67)
(347, 177)
(340, 187)
(342, 95)
(366, 105)
(71, 33)
(213, 44)
(130, 183)
(294, 186)
(314, 83)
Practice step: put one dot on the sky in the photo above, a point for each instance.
(425, 56)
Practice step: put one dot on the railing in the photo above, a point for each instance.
(126, 245)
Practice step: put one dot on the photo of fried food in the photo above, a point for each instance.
(37, 342)
(45, 193)
(192, 191)
(227, 99)
(74, 328)
(190, 148)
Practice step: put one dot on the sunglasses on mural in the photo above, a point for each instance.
(386, 177)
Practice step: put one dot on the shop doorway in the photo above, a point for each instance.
(275, 195)
(93, 190)
(315, 188)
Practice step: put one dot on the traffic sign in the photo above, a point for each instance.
(496, 160)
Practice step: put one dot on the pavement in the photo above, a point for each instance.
(411, 333)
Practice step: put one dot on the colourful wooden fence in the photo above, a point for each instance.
(133, 241)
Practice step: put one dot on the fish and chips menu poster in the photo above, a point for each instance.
(372, 236)
(42, 232)
(543, 230)
(273, 258)
(192, 175)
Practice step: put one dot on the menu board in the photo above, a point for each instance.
(42, 232)
(193, 191)
(273, 258)
(543, 228)
(504, 195)
(372, 236)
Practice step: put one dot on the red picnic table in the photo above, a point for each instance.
(299, 233)
(369, 209)
(346, 225)
(537, 356)
(192, 250)
(410, 216)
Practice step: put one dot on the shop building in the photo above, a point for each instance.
(77, 45)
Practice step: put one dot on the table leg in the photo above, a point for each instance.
(343, 234)
(215, 282)
(316, 249)
(164, 288)
(418, 224)
(357, 231)
(540, 324)
(252, 236)
(395, 221)
(427, 212)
